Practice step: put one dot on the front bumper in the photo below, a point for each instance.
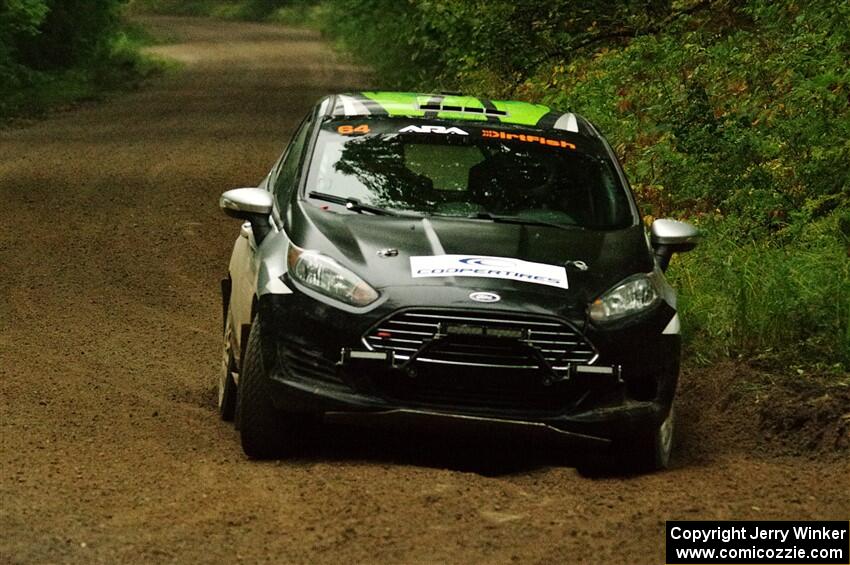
(303, 340)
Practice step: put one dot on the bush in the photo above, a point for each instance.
(783, 304)
(255, 10)
(72, 33)
(752, 121)
(55, 51)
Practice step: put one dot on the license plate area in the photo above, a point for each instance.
(475, 331)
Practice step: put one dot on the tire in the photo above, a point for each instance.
(266, 433)
(651, 450)
(227, 392)
(644, 451)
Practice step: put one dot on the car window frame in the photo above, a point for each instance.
(621, 173)
(307, 123)
(316, 116)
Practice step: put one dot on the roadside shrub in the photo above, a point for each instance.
(19, 22)
(56, 51)
(752, 121)
(404, 48)
(256, 10)
(175, 7)
(783, 304)
(72, 33)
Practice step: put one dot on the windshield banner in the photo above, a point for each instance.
(488, 267)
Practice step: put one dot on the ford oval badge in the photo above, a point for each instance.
(485, 297)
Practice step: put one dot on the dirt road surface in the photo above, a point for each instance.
(111, 249)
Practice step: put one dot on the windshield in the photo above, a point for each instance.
(466, 171)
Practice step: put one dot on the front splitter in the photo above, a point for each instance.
(432, 421)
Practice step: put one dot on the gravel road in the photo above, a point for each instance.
(111, 249)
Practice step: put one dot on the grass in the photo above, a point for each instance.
(775, 305)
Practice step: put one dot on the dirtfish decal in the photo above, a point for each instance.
(528, 138)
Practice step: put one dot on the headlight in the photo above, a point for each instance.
(323, 274)
(633, 295)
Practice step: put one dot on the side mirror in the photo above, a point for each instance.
(251, 204)
(669, 236)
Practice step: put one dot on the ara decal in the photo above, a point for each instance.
(433, 129)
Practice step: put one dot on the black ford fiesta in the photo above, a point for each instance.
(450, 259)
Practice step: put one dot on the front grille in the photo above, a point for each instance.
(480, 359)
(405, 333)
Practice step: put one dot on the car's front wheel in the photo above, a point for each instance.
(226, 382)
(653, 449)
(642, 451)
(265, 432)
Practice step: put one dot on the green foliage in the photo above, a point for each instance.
(784, 304)
(71, 33)
(298, 12)
(402, 46)
(735, 115)
(491, 43)
(754, 123)
(19, 21)
(56, 51)
(280, 11)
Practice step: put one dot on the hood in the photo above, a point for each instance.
(358, 240)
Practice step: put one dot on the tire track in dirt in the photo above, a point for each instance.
(111, 249)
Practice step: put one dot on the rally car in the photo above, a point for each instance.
(450, 259)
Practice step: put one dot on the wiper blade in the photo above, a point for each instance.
(522, 220)
(350, 203)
